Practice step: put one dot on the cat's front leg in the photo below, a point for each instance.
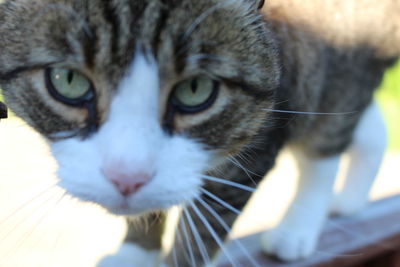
(365, 157)
(142, 245)
(297, 235)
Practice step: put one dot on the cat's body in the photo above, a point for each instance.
(135, 143)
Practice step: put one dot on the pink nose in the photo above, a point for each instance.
(127, 184)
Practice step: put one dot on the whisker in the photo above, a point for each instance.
(230, 183)
(220, 201)
(29, 233)
(199, 241)
(174, 256)
(18, 126)
(228, 230)
(17, 225)
(188, 242)
(213, 233)
(56, 204)
(235, 162)
(179, 240)
(53, 259)
(19, 208)
(311, 113)
(242, 157)
(246, 155)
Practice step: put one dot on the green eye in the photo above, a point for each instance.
(195, 95)
(68, 86)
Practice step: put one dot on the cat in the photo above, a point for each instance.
(3, 111)
(150, 104)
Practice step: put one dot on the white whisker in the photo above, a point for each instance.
(246, 155)
(36, 196)
(240, 166)
(174, 256)
(179, 240)
(31, 212)
(228, 230)
(230, 183)
(213, 233)
(311, 113)
(199, 241)
(188, 241)
(29, 233)
(221, 202)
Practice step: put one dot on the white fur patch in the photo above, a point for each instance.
(133, 139)
(365, 158)
(131, 255)
(296, 236)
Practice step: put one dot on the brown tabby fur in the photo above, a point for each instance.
(310, 56)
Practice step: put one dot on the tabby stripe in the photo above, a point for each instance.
(90, 46)
(180, 56)
(161, 24)
(40, 114)
(111, 15)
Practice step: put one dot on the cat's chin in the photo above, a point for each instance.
(127, 209)
(133, 212)
(143, 202)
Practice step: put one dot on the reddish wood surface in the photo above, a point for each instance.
(369, 239)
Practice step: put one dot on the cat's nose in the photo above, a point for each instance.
(127, 183)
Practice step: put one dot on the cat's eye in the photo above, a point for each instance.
(195, 95)
(68, 86)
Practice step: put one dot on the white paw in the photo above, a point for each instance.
(290, 244)
(131, 255)
(346, 206)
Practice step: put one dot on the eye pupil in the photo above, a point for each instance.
(194, 86)
(70, 76)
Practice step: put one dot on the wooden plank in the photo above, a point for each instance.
(372, 235)
(3, 111)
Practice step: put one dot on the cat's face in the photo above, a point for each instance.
(138, 98)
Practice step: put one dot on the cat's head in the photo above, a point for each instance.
(138, 98)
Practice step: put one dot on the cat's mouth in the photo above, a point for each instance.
(149, 198)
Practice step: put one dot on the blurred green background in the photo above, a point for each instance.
(389, 100)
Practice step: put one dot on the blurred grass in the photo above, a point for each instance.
(388, 97)
(389, 100)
